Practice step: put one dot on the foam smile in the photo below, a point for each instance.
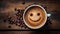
(36, 20)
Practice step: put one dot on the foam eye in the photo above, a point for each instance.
(31, 14)
(38, 14)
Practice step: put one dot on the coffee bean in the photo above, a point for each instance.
(4, 20)
(23, 3)
(9, 26)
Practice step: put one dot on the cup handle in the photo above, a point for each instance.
(48, 15)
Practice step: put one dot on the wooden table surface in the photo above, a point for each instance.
(8, 6)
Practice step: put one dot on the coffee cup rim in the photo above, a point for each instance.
(39, 25)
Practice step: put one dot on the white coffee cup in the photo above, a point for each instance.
(47, 15)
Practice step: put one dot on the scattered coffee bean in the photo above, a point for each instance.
(9, 26)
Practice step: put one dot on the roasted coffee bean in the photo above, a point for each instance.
(5, 20)
(9, 26)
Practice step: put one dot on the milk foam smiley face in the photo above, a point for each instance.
(34, 17)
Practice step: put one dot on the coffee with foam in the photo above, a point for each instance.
(34, 17)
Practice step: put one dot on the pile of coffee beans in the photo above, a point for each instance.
(16, 19)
